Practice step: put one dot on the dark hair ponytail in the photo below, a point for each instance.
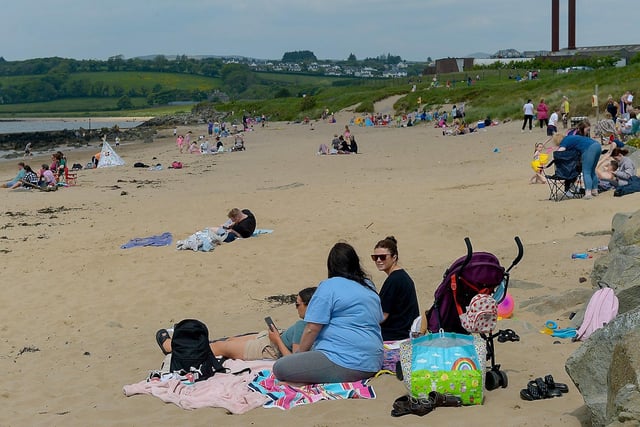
(343, 261)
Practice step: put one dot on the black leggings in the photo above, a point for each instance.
(527, 118)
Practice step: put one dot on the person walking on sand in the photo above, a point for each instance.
(528, 115)
(27, 150)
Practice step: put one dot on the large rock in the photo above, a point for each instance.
(620, 268)
(605, 368)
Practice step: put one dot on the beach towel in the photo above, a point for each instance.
(286, 396)
(260, 231)
(163, 239)
(204, 241)
(227, 391)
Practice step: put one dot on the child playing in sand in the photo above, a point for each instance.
(537, 164)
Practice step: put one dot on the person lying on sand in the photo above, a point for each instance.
(267, 344)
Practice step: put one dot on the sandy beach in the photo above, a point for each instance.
(78, 314)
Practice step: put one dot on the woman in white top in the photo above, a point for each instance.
(528, 115)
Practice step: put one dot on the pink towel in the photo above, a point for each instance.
(220, 391)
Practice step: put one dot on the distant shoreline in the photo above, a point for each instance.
(71, 119)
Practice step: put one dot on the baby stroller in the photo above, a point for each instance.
(477, 273)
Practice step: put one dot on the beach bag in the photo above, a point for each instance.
(190, 351)
(446, 362)
(481, 315)
(602, 308)
(176, 165)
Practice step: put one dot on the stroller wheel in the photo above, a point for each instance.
(504, 381)
(492, 380)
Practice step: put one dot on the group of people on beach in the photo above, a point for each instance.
(47, 177)
(203, 146)
(604, 164)
(342, 324)
(340, 144)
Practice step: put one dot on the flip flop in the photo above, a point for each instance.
(554, 385)
(161, 336)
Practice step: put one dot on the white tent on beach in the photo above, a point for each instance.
(108, 157)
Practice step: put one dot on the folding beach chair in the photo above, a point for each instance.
(566, 182)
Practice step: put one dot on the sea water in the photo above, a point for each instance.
(48, 125)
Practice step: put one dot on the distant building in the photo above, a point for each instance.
(453, 65)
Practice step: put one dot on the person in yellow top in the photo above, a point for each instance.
(565, 111)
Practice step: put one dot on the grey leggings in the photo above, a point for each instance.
(313, 367)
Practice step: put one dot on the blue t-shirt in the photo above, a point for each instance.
(577, 142)
(351, 315)
(293, 334)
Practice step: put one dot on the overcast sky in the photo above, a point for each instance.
(332, 29)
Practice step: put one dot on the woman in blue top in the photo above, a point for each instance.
(342, 341)
(590, 150)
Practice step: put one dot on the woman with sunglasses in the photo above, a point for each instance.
(398, 293)
(341, 341)
(268, 344)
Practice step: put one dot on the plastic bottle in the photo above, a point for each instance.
(580, 255)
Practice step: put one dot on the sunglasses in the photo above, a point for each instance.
(381, 257)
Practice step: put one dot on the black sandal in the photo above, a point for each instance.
(563, 388)
(507, 335)
(531, 392)
(409, 405)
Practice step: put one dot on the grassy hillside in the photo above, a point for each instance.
(300, 96)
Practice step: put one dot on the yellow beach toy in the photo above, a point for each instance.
(538, 164)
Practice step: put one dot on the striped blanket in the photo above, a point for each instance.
(286, 396)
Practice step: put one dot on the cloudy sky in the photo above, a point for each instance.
(332, 29)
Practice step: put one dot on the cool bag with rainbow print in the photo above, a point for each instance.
(445, 362)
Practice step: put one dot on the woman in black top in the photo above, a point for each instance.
(398, 293)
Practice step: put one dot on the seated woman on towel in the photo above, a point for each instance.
(268, 344)
(241, 223)
(398, 293)
(341, 341)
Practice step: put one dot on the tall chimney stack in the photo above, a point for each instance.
(555, 25)
(572, 24)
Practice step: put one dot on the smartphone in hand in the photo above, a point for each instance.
(270, 324)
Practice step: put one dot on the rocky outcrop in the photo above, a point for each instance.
(606, 367)
(200, 114)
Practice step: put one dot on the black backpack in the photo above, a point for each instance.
(190, 350)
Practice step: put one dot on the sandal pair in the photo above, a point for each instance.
(409, 405)
(543, 389)
(507, 335)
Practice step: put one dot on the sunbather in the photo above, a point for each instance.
(268, 344)
(18, 177)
